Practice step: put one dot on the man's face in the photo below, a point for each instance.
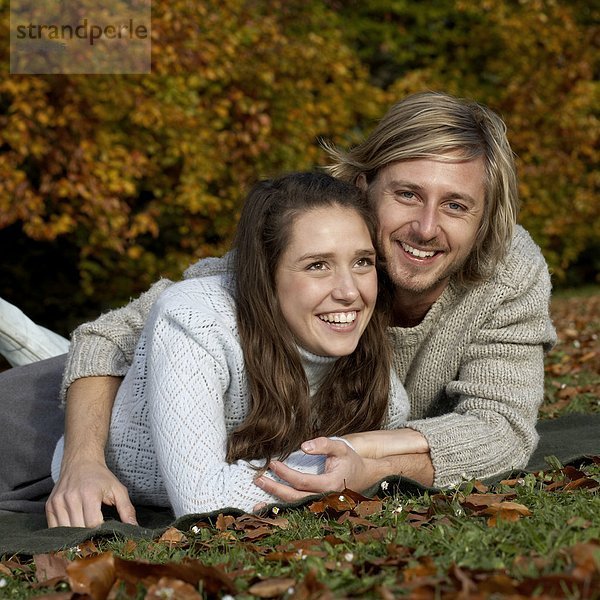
(429, 213)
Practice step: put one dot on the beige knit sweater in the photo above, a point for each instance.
(473, 369)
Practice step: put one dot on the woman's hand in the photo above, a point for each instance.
(377, 454)
(344, 468)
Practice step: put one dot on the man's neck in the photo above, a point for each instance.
(410, 307)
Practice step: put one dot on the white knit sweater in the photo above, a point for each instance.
(183, 396)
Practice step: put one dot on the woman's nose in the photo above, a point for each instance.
(345, 289)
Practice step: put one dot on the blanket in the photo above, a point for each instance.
(570, 439)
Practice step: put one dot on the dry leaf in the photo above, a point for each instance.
(166, 587)
(270, 588)
(174, 538)
(506, 511)
(50, 566)
(94, 575)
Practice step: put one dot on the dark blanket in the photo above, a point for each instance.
(569, 438)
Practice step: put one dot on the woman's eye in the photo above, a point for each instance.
(365, 262)
(455, 206)
(316, 266)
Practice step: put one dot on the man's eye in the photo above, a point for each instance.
(405, 195)
(455, 206)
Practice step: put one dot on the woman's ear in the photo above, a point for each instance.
(361, 182)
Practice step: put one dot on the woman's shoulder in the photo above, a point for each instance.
(210, 296)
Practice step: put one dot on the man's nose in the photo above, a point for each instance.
(426, 222)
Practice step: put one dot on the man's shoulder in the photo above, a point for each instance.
(524, 263)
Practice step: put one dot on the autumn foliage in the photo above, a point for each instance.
(125, 178)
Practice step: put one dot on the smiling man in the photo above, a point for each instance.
(470, 319)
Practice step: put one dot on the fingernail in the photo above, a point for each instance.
(308, 446)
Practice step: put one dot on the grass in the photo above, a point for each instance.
(544, 543)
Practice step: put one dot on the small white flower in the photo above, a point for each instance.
(195, 529)
(290, 591)
(399, 509)
(384, 485)
(3, 583)
(342, 498)
(275, 510)
(349, 557)
(227, 597)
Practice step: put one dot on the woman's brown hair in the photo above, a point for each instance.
(354, 395)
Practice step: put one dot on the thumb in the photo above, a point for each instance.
(323, 445)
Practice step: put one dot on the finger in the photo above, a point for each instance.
(92, 511)
(323, 445)
(280, 490)
(74, 506)
(125, 508)
(305, 482)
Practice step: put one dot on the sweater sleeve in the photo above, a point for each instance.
(193, 364)
(499, 388)
(106, 346)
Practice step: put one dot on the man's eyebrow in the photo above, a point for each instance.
(410, 185)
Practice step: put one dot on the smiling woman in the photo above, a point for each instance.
(281, 343)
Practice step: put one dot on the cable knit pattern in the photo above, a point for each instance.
(473, 368)
(183, 396)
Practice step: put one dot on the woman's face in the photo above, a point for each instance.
(326, 280)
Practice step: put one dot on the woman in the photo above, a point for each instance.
(238, 368)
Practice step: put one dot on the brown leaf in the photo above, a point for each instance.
(478, 502)
(174, 538)
(94, 575)
(166, 587)
(372, 535)
(269, 588)
(368, 508)
(254, 521)
(224, 522)
(50, 566)
(506, 511)
(214, 579)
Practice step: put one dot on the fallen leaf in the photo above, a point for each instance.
(270, 588)
(166, 587)
(50, 566)
(174, 538)
(93, 575)
(505, 511)
(224, 522)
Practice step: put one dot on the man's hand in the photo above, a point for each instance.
(85, 481)
(77, 498)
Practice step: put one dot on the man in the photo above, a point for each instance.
(470, 320)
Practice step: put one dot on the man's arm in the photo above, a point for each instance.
(85, 482)
(99, 356)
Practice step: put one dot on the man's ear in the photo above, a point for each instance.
(361, 182)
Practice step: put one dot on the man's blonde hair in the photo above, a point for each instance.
(433, 125)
